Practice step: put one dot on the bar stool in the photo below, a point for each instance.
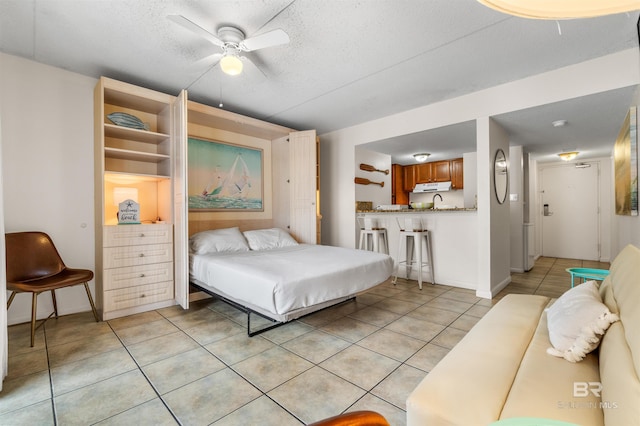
(412, 237)
(375, 236)
(371, 237)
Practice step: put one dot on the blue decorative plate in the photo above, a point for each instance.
(127, 120)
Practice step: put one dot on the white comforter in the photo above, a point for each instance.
(286, 279)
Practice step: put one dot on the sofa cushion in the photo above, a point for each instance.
(544, 385)
(576, 321)
(470, 385)
(620, 347)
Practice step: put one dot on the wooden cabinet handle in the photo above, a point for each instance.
(142, 295)
(141, 254)
(141, 275)
(141, 235)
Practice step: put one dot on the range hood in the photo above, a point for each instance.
(432, 187)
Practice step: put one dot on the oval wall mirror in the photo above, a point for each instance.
(500, 176)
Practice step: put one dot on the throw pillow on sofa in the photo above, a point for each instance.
(577, 321)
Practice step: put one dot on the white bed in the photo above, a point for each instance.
(284, 283)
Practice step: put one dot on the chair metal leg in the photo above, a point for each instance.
(34, 310)
(55, 303)
(93, 306)
(13, 294)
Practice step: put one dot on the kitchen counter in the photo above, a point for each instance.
(454, 240)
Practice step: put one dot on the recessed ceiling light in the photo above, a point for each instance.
(559, 123)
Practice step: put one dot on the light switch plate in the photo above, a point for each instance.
(513, 197)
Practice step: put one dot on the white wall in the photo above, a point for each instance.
(47, 161)
(374, 193)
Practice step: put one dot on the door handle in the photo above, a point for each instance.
(546, 211)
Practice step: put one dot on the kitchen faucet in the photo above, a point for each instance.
(434, 199)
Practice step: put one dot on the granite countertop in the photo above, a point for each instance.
(403, 211)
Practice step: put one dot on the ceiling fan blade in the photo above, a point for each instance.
(272, 38)
(208, 61)
(195, 28)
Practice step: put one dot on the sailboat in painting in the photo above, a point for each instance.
(229, 190)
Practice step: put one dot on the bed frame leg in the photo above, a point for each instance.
(262, 330)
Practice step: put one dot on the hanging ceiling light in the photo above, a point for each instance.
(561, 9)
(231, 63)
(568, 156)
(421, 157)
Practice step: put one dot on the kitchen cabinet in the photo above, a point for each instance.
(409, 177)
(457, 176)
(437, 171)
(398, 194)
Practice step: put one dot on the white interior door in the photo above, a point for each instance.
(570, 212)
(303, 220)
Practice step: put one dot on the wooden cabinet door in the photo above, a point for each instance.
(303, 219)
(398, 194)
(441, 171)
(457, 177)
(408, 177)
(424, 173)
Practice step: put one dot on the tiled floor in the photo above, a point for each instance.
(199, 367)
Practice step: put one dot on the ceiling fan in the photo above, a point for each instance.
(233, 42)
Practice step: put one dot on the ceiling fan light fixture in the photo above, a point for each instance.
(421, 157)
(568, 156)
(565, 9)
(231, 64)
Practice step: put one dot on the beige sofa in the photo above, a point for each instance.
(501, 370)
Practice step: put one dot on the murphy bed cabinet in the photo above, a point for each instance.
(145, 267)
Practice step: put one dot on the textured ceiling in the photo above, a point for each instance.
(348, 61)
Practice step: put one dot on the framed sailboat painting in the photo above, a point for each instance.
(223, 176)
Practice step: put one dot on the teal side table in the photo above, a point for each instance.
(587, 274)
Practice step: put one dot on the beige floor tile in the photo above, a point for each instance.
(412, 296)
(63, 334)
(40, 414)
(396, 388)
(449, 305)
(416, 328)
(375, 316)
(350, 329)
(159, 348)
(197, 317)
(179, 370)
(427, 357)
(81, 349)
(271, 368)
(316, 346)
(24, 391)
(397, 306)
(151, 412)
(461, 295)
(434, 315)
(477, 311)
(287, 331)
(360, 366)
(146, 331)
(262, 411)
(74, 375)
(212, 331)
(238, 347)
(370, 298)
(465, 322)
(19, 337)
(27, 363)
(449, 337)
(102, 400)
(391, 344)
(135, 320)
(394, 415)
(210, 398)
(316, 394)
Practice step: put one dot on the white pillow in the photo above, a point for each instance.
(218, 240)
(576, 321)
(265, 239)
